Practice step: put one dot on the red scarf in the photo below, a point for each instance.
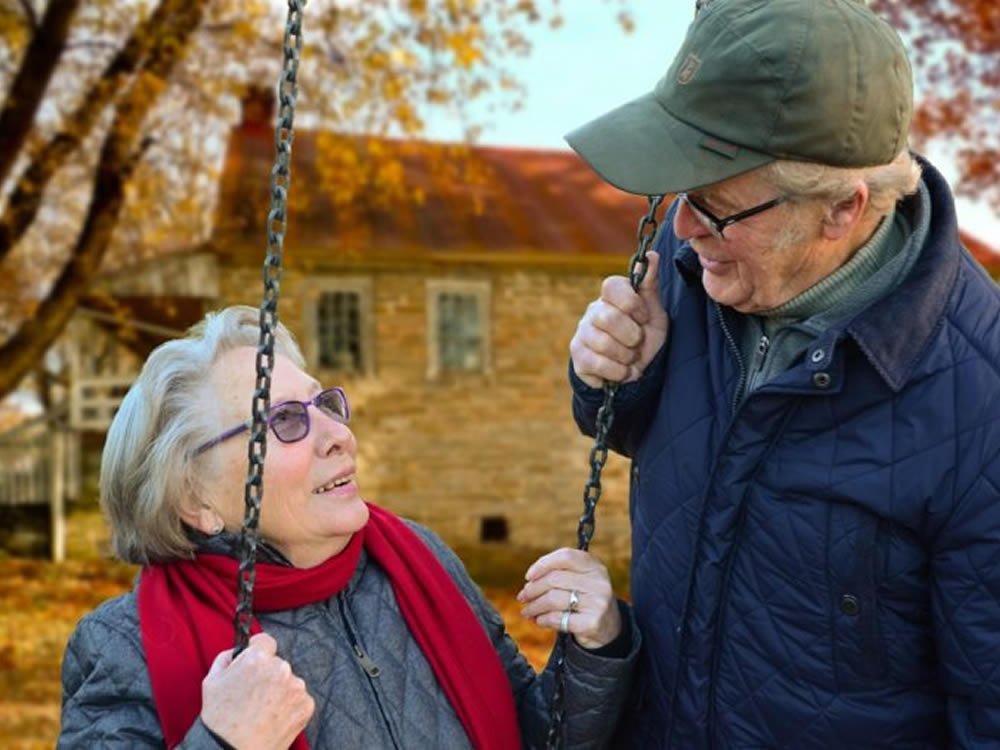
(186, 616)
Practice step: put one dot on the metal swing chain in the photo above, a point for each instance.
(276, 223)
(638, 265)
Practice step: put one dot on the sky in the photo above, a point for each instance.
(590, 65)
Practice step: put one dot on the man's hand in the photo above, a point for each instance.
(622, 331)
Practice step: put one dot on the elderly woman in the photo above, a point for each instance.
(368, 631)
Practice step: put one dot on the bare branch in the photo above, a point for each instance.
(26, 91)
(114, 169)
(29, 12)
(26, 197)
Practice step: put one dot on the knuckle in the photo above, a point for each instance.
(610, 285)
(593, 309)
(263, 639)
(592, 361)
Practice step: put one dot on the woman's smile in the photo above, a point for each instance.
(342, 484)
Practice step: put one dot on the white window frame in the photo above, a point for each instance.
(311, 292)
(481, 291)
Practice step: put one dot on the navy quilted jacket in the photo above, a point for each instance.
(819, 566)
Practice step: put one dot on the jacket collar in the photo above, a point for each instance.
(895, 331)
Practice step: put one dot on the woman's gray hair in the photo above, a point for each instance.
(887, 184)
(147, 468)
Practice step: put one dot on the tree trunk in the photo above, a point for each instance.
(115, 166)
(40, 59)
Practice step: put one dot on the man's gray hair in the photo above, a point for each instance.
(887, 184)
(147, 468)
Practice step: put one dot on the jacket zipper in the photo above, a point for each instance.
(372, 670)
(712, 728)
(762, 346)
(741, 384)
(736, 401)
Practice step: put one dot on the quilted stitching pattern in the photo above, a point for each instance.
(748, 533)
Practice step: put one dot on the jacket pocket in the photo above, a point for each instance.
(852, 556)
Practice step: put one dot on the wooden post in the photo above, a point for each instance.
(57, 494)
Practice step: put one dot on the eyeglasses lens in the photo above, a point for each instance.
(701, 216)
(332, 404)
(290, 422)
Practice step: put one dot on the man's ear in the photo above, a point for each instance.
(842, 217)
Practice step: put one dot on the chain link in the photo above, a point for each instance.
(638, 265)
(276, 223)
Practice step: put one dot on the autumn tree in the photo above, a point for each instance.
(955, 46)
(115, 114)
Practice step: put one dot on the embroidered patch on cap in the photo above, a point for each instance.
(728, 150)
(688, 70)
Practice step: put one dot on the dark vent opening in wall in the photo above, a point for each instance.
(493, 529)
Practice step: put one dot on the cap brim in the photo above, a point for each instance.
(641, 148)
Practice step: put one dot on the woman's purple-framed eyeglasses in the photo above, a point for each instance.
(289, 420)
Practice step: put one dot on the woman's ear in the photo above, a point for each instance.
(842, 217)
(202, 516)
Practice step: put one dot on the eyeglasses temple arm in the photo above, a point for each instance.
(222, 438)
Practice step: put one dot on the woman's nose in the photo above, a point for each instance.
(686, 225)
(333, 436)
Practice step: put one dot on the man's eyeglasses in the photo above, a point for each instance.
(289, 420)
(714, 224)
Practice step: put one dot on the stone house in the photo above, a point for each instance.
(447, 320)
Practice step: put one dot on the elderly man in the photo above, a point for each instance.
(810, 399)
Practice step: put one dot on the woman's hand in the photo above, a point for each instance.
(255, 701)
(594, 619)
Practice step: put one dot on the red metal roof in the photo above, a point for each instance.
(482, 199)
(988, 256)
(485, 200)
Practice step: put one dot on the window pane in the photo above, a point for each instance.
(338, 328)
(459, 332)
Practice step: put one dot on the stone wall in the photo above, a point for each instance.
(458, 449)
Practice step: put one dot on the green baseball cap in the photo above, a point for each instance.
(824, 81)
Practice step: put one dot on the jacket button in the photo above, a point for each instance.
(817, 356)
(849, 605)
(821, 379)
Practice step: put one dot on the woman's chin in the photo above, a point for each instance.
(350, 517)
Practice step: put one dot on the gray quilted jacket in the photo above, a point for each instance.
(107, 698)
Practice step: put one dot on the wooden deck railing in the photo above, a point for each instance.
(40, 465)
